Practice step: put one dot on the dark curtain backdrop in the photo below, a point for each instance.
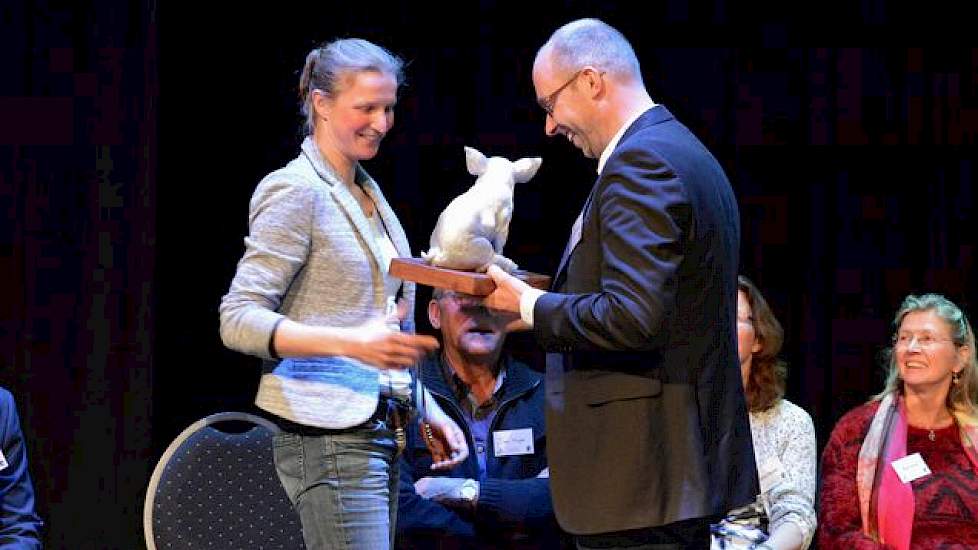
(78, 182)
(132, 136)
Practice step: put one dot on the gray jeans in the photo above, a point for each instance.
(343, 483)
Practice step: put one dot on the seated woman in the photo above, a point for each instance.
(901, 471)
(783, 517)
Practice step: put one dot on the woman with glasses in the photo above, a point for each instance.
(313, 297)
(901, 471)
(783, 517)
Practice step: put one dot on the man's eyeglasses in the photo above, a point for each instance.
(461, 299)
(548, 103)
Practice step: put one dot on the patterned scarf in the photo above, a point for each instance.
(885, 502)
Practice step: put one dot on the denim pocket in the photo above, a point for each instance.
(289, 458)
(286, 439)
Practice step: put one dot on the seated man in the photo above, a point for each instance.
(19, 525)
(500, 496)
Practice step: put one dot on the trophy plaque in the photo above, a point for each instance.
(468, 282)
(472, 230)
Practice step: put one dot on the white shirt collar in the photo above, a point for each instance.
(621, 131)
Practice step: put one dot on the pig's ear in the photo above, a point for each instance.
(475, 161)
(526, 168)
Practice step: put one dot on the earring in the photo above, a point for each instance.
(955, 377)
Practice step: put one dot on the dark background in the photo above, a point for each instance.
(132, 135)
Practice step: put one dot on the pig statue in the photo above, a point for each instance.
(472, 229)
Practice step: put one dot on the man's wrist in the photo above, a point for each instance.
(528, 299)
(469, 491)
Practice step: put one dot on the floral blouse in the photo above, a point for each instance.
(784, 447)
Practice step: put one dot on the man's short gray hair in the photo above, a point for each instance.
(592, 42)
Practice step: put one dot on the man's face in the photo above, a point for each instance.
(560, 95)
(467, 327)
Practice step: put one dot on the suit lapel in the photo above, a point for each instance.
(654, 115)
(574, 239)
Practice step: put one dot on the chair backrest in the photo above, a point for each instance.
(219, 489)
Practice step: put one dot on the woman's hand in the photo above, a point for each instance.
(381, 344)
(376, 344)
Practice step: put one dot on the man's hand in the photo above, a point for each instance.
(505, 299)
(450, 491)
(443, 437)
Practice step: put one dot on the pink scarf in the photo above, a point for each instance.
(885, 502)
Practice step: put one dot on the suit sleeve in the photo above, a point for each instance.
(19, 525)
(644, 217)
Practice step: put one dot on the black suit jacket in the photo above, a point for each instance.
(646, 414)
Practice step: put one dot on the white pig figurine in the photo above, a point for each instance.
(473, 228)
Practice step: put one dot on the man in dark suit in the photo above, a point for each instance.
(20, 527)
(648, 433)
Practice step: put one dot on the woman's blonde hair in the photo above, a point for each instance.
(328, 65)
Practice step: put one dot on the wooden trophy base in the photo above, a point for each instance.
(468, 282)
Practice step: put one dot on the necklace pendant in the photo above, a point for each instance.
(931, 436)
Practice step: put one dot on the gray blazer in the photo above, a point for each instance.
(309, 256)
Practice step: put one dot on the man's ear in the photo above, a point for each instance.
(434, 314)
(594, 81)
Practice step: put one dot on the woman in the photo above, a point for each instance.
(901, 471)
(312, 295)
(783, 517)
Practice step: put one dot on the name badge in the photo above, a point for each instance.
(513, 442)
(770, 473)
(911, 467)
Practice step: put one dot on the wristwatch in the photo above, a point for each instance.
(469, 491)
